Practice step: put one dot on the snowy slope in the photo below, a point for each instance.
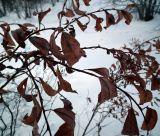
(86, 86)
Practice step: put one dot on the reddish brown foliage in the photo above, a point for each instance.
(130, 126)
(71, 49)
(150, 119)
(48, 89)
(108, 89)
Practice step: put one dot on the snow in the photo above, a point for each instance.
(86, 86)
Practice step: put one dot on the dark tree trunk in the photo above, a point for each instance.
(146, 9)
(4, 6)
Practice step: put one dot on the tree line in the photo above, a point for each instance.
(146, 9)
(23, 8)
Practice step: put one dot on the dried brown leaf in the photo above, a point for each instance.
(144, 95)
(42, 14)
(76, 8)
(65, 130)
(35, 114)
(40, 43)
(69, 13)
(128, 16)
(98, 26)
(130, 126)
(67, 104)
(5, 27)
(150, 121)
(19, 37)
(81, 26)
(110, 20)
(54, 48)
(65, 85)
(71, 49)
(48, 89)
(93, 16)
(108, 89)
(22, 87)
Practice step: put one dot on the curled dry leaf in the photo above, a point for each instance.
(69, 13)
(108, 89)
(150, 121)
(71, 49)
(19, 37)
(25, 27)
(65, 130)
(128, 16)
(5, 27)
(40, 43)
(130, 126)
(81, 26)
(102, 71)
(76, 8)
(93, 16)
(35, 114)
(67, 104)
(42, 14)
(29, 120)
(54, 48)
(65, 85)
(110, 20)
(7, 43)
(98, 26)
(48, 89)
(22, 87)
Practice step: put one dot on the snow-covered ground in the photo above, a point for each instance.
(86, 86)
